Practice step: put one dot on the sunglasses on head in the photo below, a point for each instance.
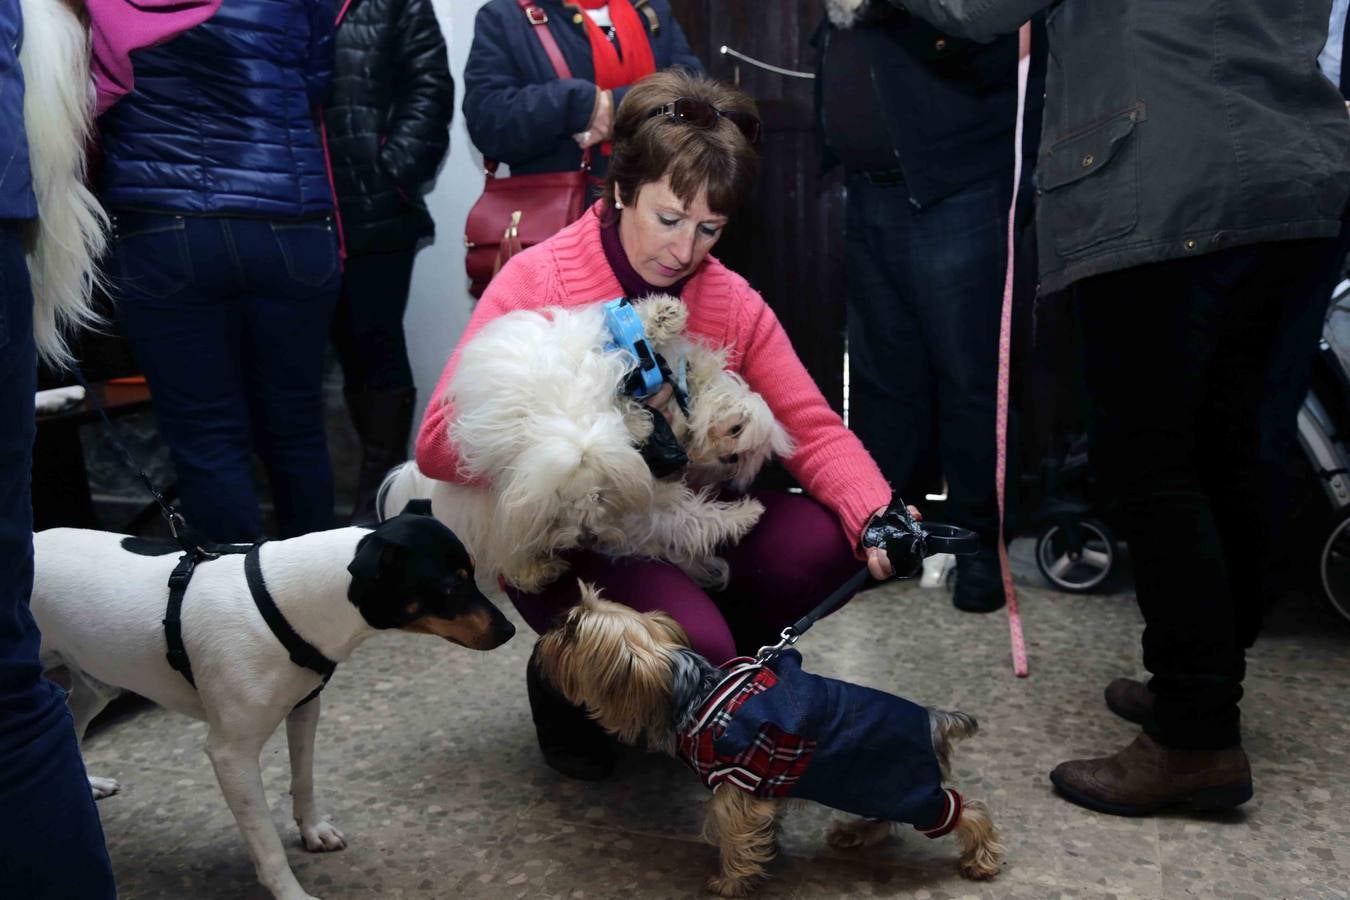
(702, 114)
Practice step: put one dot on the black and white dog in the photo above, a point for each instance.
(100, 600)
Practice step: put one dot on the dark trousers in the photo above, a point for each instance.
(229, 319)
(790, 561)
(51, 841)
(1196, 369)
(368, 325)
(925, 289)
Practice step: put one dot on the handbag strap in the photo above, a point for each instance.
(539, 19)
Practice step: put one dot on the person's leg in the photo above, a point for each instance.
(1294, 292)
(571, 742)
(51, 841)
(291, 284)
(377, 378)
(794, 558)
(953, 274)
(888, 364)
(177, 301)
(1153, 335)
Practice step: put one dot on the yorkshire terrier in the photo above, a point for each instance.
(760, 734)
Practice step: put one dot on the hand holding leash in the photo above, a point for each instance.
(896, 533)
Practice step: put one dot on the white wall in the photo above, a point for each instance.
(439, 305)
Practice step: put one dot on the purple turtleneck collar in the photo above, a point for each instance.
(634, 285)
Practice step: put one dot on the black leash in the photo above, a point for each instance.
(906, 543)
(177, 524)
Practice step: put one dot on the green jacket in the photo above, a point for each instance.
(1174, 128)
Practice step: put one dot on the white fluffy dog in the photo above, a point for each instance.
(552, 446)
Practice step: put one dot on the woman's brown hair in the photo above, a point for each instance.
(648, 148)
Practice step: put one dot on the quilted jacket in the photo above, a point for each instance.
(221, 119)
(388, 120)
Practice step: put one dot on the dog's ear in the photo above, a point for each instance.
(669, 630)
(418, 507)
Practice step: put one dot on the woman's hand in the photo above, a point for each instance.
(660, 401)
(601, 126)
(878, 563)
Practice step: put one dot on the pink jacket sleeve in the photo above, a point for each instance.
(117, 27)
(829, 461)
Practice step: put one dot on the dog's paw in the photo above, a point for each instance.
(979, 867)
(321, 836)
(103, 787)
(740, 516)
(663, 318)
(532, 577)
(730, 886)
(852, 835)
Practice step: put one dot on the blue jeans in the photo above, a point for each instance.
(925, 287)
(51, 841)
(229, 319)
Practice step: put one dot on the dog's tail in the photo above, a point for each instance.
(403, 483)
(946, 728)
(72, 227)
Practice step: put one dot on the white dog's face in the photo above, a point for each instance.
(732, 434)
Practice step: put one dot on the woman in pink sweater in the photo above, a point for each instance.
(683, 160)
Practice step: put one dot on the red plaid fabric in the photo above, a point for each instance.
(770, 766)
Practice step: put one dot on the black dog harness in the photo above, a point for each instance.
(303, 653)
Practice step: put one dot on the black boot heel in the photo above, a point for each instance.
(572, 743)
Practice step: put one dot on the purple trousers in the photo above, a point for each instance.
(788, 563)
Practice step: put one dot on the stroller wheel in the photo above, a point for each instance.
(1079, 557)
(1336, 567)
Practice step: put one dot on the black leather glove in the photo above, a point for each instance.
(904, 540)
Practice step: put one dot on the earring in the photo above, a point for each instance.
(618, 204)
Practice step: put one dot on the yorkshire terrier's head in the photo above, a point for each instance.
(618, 663)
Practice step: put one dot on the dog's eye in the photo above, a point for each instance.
(462, 575)
(735, 430)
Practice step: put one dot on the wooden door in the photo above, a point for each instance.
(789, 242)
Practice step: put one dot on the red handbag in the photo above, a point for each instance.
(522, 210)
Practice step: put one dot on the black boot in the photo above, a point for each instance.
(979, 581)
(572, 743)
(383, 420)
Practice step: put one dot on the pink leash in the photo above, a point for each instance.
(328, 162)
(1019, 644)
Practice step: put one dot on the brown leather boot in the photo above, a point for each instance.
(1146, 777)
(1130, 699)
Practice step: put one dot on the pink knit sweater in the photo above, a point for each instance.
(569, 269)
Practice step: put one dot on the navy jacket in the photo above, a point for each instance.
(788, 733)
(950, 104)
(16, 188)
(517, 109)
(221, 120)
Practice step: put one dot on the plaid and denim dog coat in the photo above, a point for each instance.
(775, 731)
